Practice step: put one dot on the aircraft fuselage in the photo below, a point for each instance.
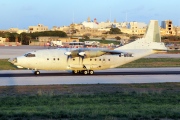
(55, 59)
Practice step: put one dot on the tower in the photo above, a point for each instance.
(88, 20)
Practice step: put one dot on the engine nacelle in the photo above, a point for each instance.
(74, 53)
(86, 54)
(91, 54)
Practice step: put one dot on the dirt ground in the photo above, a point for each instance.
(87, 89)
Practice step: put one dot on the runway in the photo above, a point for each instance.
(111, 76)
(19, 74)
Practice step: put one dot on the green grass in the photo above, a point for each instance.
(153, 62)
(173, 51)
(5, 65)
(123, 105)
(125, 101)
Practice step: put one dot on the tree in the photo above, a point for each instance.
(134, 37)
(25, 37)
(118, 38)
(48, 33)
(115, 31)
(16, 37)
(6, 35)
(103, 38)
(12, 37)
(86, 37)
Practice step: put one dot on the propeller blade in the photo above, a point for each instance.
(82, 53)
(69, 56)
(82, 58)
(67, 53)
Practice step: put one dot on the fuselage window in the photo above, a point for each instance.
(54, 58)
(30, 55)
(109, 59)
(57, 58)
(103, 59)
(94, 59)
(90, 59)
(119, 55)
(47, 58)
(73, 59)
(99, 59)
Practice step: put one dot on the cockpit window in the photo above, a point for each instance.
(30, 55)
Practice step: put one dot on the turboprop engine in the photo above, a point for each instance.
(86, 54)
(90, 54)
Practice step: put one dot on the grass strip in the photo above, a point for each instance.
(153, 62)
(127, 101)
(5, 65)
(131, 105)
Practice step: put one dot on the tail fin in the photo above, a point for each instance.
(151, 40)
(153, 32)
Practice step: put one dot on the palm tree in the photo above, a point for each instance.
(16, 37)
(7, 37)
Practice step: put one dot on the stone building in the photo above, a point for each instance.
(2, 40)
(55, 38)
(38, 28)
(137, 28)
(167, 28)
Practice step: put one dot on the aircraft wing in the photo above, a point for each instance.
(115, 52)
(94, 52)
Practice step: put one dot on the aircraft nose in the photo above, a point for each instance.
(13, 60)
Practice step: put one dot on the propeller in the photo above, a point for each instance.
(82, 55)
(69, 55)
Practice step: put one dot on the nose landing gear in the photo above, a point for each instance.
(36, 72)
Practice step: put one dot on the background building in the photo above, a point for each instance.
(90, 24)
(55, 38)
(167, 25)
(38, 28)
(2, 40)
(137, 28)
(17, 30)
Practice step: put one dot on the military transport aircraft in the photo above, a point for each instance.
(86, 60)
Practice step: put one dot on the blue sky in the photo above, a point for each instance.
(24, 13)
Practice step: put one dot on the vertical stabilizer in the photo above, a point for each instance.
(151, 39)
(153, 32)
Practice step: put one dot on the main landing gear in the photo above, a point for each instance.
(85, 72)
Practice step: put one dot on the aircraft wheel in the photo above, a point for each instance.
(75, 72)
(85, 72)
(81, 71)
(91, 72)
(37, 73)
